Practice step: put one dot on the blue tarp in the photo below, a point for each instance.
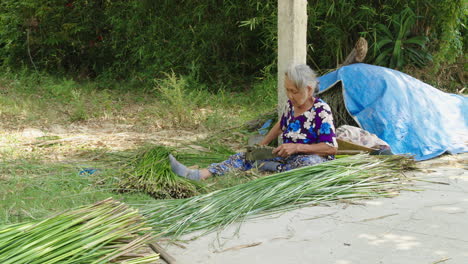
(411, 116)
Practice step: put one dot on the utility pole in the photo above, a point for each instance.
(292, 41)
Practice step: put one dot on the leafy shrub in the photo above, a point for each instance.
(450, 18)
(215, 41)
(131, 39)
(396, 46)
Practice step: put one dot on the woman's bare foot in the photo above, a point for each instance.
(205, 174)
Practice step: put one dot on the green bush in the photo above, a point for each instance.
(396, 47)
(451, 16)
(130, 39)
(212, 41)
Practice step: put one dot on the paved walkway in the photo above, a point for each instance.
(427, 226)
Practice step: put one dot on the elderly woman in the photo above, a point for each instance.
(306, 127)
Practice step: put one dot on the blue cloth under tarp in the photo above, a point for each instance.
(411, 116)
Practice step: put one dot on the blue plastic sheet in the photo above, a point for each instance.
(411, 116)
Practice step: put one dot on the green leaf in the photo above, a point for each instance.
(382, 58)
(418, 40)
(384, 29)
(382, 43)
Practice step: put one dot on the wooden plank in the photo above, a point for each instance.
(349, 152)
(162, 253)
(346, 145)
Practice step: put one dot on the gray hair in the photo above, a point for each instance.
(302, 76)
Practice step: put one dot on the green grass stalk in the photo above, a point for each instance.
(354, 177)
(100, 233)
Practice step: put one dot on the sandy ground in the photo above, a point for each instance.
(427, 225)
(71, 141)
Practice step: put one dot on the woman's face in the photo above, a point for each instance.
(297, 96)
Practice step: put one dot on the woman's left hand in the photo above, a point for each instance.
(286, 150)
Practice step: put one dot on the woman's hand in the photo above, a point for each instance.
(286, 150)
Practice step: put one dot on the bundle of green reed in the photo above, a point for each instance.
(211, 153)
(107, 231)
(150, 172)
(359, 176)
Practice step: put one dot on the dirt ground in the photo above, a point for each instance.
(60, 142)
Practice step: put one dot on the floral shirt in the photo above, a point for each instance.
(313, 126)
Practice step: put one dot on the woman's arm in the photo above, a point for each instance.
(288, 149)
(274, 132)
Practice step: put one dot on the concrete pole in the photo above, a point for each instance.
(292, 41)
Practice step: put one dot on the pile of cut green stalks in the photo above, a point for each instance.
(354, 177)
(149, 171)
(107, 231)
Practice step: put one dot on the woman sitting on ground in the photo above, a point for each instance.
(306, 127)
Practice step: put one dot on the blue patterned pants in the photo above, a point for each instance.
(238, 162)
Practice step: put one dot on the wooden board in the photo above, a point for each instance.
(346, 145)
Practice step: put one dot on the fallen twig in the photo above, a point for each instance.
(51, 142)
(442, 260)
(436, 182)
(239, 247)
(377, 218)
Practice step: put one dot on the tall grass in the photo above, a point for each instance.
(31, 189)
(40, 98)
(174, 101)
(180, 102)
(185, 104)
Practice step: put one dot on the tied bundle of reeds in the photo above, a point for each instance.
(149, 171)
(207, 154)
(359, 176)
(107, 231)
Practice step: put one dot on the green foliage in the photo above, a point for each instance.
(390, 26)
(217, 41)
(334, 26)
(396, 46)
(54, 35)
(180, 102)
(131, 39)
(451, 16)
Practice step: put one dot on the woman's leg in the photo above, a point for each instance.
(238, 162)
(234, 162)
(298, 161)
(182, 170)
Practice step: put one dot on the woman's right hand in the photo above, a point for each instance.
(286, 150)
